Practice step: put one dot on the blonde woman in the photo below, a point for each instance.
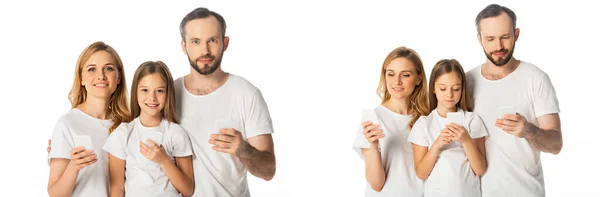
(389, 165)
(99, 104)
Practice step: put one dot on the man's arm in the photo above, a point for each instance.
(259, 156)
(257, 153)
(546, 138)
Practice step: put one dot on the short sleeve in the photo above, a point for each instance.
(62, 142)
(117, 141)
(545, 101)
(418, 133)
(258, 120)
(180, 142)
(360, 142)
(476, 127)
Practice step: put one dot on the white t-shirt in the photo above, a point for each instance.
(514, 167)
(144, 177)
(452, 175)
(218, 173)
(92, 180)
(396, 155)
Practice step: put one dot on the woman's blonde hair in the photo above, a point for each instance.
(118, 110)
(146, 69)
(446, 66)
(418, 98)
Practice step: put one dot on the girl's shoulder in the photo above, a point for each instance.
(174, 128)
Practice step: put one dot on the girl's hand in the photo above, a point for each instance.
(458, 133)
(443, 139)
(154, 152)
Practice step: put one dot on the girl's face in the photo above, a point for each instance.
(99, 75)
(448, 90)
(401, 78)
(152, 95)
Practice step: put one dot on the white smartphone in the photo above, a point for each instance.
(369, 115)
(85, 141)
(508, 110)
(223, 124)
(455, 117)
(155, 136)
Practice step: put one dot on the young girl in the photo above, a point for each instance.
(449, 157)
(161, 165)
(99, 104)
(388, 158)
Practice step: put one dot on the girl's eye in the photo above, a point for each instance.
(92, 69)
(160, 91)
(144, 90)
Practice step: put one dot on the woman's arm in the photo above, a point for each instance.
(117, 176)
(64, 172)
(374, 170)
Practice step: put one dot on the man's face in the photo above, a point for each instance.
(204, 44)
(497, 37)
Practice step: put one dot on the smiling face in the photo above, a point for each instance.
(152, 95)
(401, 78)
(99, 75)
(497, 37)
(204, 44)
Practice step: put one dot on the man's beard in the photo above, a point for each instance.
(206, 69)
(500, 61)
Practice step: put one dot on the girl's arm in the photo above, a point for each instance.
(64, 172)
(374, 170)
(117, 176)
(475, 150)
(182, 175)
(182, 179)
(425, 159)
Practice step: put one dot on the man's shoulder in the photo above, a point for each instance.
(474, 71)
(242, 85)
(531, 70)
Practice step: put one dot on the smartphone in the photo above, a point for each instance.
(85, 141)
(508, 110)
(455, 117)
(369, 115)
(223, 124)
(155, 136)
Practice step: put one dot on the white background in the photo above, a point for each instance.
(317, 64)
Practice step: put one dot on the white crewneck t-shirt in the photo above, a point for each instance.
(92, 180)
(514, 165)
(221, 174)
(452, 175)
(143, 177)
(396, 155)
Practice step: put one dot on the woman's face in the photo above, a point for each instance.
(401, 78)
(99, 75)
